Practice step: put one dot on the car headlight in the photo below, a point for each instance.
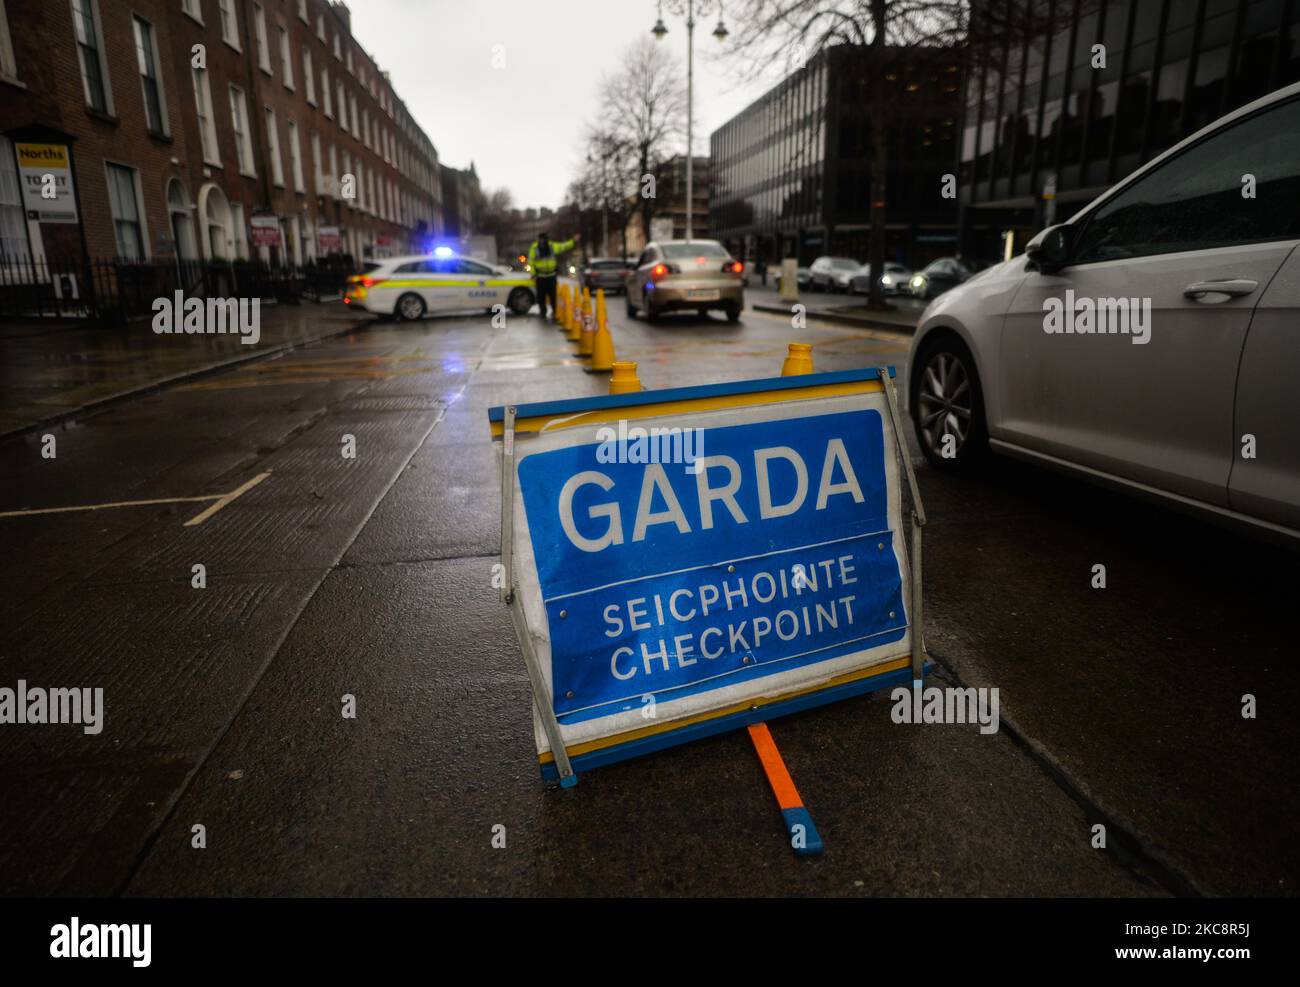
(918, 282)
(887, 279)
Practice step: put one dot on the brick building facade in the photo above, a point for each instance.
(209, 130)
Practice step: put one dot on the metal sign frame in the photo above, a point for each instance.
(503, 420)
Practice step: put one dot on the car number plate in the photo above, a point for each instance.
(703, 294)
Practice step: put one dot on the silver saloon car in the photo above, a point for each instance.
(1151, 343)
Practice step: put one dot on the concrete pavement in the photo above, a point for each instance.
(372, 578)
(50, 372)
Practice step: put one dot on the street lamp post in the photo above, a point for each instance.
(719, 32)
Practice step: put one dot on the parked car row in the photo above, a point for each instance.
(844, 274)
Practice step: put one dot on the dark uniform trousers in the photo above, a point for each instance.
(546, 290)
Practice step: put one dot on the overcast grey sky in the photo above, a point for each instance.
(521, 125)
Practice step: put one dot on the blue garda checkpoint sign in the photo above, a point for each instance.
(692, 560)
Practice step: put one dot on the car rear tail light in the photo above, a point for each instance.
(659, 270)
(371, 282)
(733, 267)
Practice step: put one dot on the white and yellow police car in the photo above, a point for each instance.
(441, 282)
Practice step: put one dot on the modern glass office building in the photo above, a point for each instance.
(792, 171)
(1037, 114)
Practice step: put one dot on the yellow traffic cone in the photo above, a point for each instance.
(589, 325)
(799, 360)
(574, 328)
(562, 305)
(602, 347)
(624, 379)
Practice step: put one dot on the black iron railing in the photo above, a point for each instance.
(114, 292)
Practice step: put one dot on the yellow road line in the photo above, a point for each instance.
(226, 499)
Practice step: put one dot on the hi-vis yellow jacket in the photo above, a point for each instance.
(544, 267)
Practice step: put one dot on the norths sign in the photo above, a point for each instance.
(662, 598)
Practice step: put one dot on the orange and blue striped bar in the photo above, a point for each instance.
(804, 838)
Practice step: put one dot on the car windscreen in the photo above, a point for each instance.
(608, 265)
(682, 251)
(845, 263)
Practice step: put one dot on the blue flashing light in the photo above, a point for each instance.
(442, 251)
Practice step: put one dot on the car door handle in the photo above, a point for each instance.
(1234, 288)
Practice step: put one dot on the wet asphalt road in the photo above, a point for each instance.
(372, 577)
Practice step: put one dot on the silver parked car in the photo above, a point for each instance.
(1152, 342)
(832, 273)
(892, 282)
(677, 275)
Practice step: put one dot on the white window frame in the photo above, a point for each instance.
(157, 69)
(317, 172)
(336, 180)
(207, 124)
(239, 230)
(260, 40)
(302, 12)
(295, 157)
(192, 9)
(273, 147)
(232, 8)
(140, 219)
(309, 76)
(347, 170)
(105, 81)
(325, 91)
(11, 198)
(8, 65)
(286, 57)
(341, 102)
(356, 126)
(320, 27)
(243, 134)
(338, 48)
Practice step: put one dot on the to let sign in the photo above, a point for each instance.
(45, 175)
(265, 231)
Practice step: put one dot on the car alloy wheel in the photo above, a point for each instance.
(947, 402)
(410, 307)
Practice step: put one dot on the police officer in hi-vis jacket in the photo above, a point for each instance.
(543, 257)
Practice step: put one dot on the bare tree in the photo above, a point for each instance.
(643, 106)
(607, 180)
(790, 32)
(497, 214)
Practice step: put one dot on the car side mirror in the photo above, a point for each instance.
(1049, 251)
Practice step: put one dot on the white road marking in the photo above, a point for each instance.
(221, 501)
(226, 499)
